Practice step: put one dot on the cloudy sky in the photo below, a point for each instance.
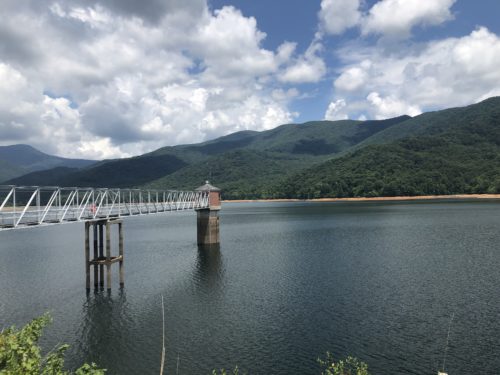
(114, 78)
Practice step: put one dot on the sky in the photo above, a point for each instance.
(116, 78)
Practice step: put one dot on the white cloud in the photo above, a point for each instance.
(390, 106)
(396, 18)
(283, 95)
(439, 74)
(285, 52)
(353, 78)
(335, 110)
(392, 19)
(29, 116)
(230, 43)
(308, 68)
(109, 78)
(336, 16)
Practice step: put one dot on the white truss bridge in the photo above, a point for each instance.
(30, 206)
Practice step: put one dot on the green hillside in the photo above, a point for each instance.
(246, 164)
(240, 174)
(242, 163)
(432, 123)
(448, 152)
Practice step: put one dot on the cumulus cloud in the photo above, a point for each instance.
(335, 110)
(307, 68)
(389, 18)
(396, 18)
(336, 16)
(433, 75)
(390, 106)
(236, 52)
(353, 78)
(112, 78)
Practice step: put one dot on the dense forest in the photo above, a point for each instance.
(461, 156)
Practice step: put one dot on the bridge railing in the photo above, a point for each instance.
(23, 206)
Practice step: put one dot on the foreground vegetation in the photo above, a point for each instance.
(21, 355)
(349, 366)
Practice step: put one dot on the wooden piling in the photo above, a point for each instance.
(108, 255)
(96, 249)
(100, 259)
(87, 257)
(120, 253)
(101, 254)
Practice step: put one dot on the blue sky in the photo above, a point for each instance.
(115, 78)
(297, 20)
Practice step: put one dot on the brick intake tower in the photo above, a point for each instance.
(208, 218)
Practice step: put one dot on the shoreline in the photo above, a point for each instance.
(375, 199)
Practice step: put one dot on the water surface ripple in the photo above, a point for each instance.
(289, 282)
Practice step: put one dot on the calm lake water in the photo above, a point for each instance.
(291, 281)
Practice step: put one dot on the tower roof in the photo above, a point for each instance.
(207, 187)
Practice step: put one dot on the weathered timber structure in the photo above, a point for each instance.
(100, 259)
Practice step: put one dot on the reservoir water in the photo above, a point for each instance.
(291, 281)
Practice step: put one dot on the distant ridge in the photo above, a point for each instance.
(17, 160)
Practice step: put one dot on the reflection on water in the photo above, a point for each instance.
(103, 317)
(209, 270)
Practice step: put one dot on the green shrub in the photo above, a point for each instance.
(348, 366)
(20, 353)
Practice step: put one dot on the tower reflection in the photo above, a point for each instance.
(209, 270)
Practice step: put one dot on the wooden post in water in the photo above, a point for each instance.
(96, 255)
(208, 218)
(87, 257)
(120, 253)
(100, 260)
(108, 255)
(101, 254)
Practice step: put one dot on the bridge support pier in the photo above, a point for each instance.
(208, 227)
(208, 218)
(100, 260)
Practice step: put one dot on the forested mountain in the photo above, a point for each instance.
(17, 160)
(444, 152)
(245, 158)
(455, 151)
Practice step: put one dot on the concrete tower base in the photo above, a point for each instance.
(208, 227)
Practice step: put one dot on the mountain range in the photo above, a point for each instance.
(444, 152)
(18, 160)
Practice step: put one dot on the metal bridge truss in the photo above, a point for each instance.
(26, 206)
